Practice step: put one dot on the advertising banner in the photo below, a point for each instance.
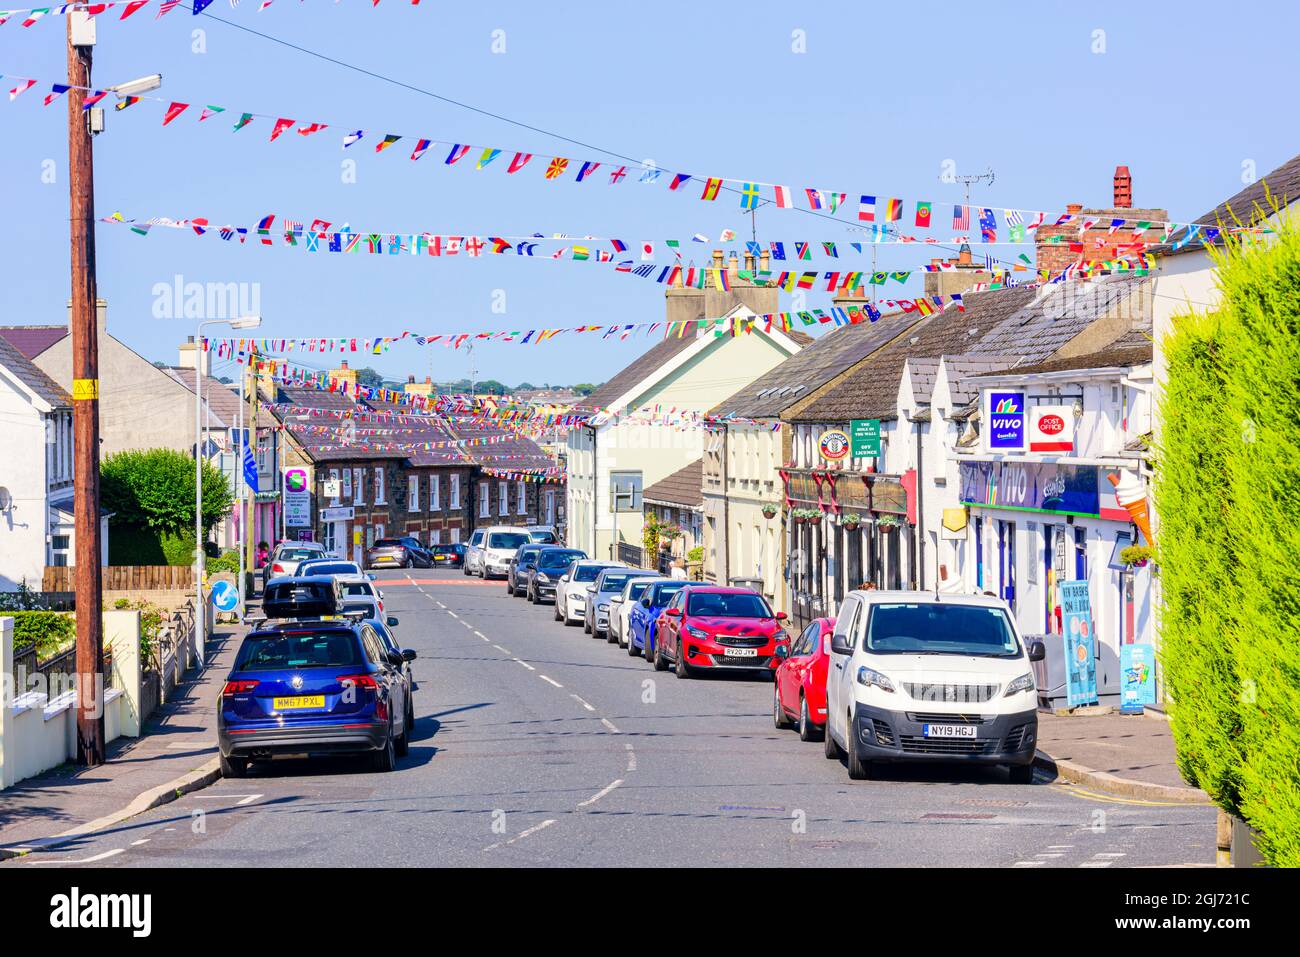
(297, 498)
(1051, 429)
(1080, 644)
(1137, 677)
(1031, 487)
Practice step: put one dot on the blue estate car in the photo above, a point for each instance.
(645, 615)
(311, 680)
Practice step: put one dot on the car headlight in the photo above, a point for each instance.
(1023, 683)
(697, 632)
(870, 676)
(544, 579)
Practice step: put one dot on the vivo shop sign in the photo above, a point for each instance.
(1012, 427)
(1032, 487)
(1005, 416)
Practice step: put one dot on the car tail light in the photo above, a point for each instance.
(233, 688)
(277, 567)
(361, 681)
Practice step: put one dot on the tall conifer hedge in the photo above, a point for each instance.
(1228, 495)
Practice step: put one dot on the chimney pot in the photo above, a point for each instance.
(1123, 188)
(964, 255)
(429, 379)
(1074, 209)
(344, 364)
(717, 259)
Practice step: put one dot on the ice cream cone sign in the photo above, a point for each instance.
(1130, 494)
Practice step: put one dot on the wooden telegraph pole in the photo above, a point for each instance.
(85, 415)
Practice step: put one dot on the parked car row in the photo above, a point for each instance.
(897, 676)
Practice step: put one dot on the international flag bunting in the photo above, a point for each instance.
(455, 154)
(167, 6)
(94, 98)
(311, 128)
(281, 125)
(200, 6)
(587, 169)
(778, 250)
(781, 196)
(356, 136)
(132, 7)
(814, 198)
(749, 196)
(487, 156)
(988, 226)
(834, 201)
(649, 175)
(210, 111)
(923, 215)
(126, 101)
(961, 217)
(557, 167)
(57, 90)
(388, 140)
(867, 209)
(244, 120)
(802, 251)
(173, 111)
(893, 210)
(616, 176)
(831, 250)
(679, 180)
(519, 162)
(711, 187)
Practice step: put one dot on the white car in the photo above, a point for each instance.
(361, 586)
(491, 549)
(918, 676)
(287, 556)
(621, 606)
(571, 591)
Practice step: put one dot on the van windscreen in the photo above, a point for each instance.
(940, 628)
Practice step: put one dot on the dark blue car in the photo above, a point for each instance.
(314, 685)
(645, 615)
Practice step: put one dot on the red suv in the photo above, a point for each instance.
(728, 629)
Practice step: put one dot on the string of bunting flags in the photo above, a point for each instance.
(33, 15)
(873, 209)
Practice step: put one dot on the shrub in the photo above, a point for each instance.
(154, 489)
(1228, 496)
(227, 561)
(47, 630)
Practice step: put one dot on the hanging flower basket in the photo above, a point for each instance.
(769, 511)
(1137, 556)
(851, 521)
(807, 516)
(887, 523)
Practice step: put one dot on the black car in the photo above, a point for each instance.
(552, 562)
(306, 681)
(517, 574)
(448, 556)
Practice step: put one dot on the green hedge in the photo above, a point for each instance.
(1228, 496)
(138, 545)
(44, 629)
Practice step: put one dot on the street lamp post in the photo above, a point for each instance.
(200, 612)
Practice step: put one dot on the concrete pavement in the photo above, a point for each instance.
(539, 746)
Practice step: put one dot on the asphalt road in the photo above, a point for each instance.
(539, 746)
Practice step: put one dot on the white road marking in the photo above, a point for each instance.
(551, 681)
(243, 798)
(1114, 854)
(481, 635)
(1029, 863)
(1050, 854)
(466, 624)
(1060, 847)
(601, 793)
(85, 860)
(452, 613)
(581, 702)
(610, 725)
(631, 758)
(499, 648)
(522, 834)
(525, 664)
(1096, 863)
(143, 840)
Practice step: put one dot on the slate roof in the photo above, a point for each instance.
(32, 377)
(870, 389)
(645, 365)
(1058, 314)
(1249, 206)
(31, 341)
(221, 400)
(924, 372)
(516, 452)
(683, 487)
(1108, 358)
(808, 370)
(962, 368)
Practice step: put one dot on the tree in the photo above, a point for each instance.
(1228, 495)
(154, 489)
(369, 378)
(584, 388)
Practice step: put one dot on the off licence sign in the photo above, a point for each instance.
(865, 438)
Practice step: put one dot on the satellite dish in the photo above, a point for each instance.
(6, 499)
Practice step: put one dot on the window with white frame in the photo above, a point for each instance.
(522, 506)
(434, 483)
(334, 477)
(484, 506)
(413, 494)
(379, 486)
(354, 487)
(503, 498)
(435, 536)
(454, 534)
(453, 498)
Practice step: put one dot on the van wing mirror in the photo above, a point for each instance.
(1037, 650)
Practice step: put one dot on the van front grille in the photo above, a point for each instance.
(926, 717)
(915, 744)
(951, 694)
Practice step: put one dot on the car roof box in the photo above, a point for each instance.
(301, 598)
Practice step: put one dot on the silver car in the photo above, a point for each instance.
(608, 585)
(288, 556)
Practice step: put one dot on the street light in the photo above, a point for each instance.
(200, 612)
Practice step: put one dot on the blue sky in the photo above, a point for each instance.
(877, 103)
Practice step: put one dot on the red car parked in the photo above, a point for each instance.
(799, 691)
(728, 629)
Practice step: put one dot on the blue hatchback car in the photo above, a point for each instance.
(645, 615)
(313, 683)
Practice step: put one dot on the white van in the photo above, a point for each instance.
(490, 550)
(917, 676)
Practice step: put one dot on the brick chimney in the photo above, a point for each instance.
(955, 275)
(344, 374)
(1123, 188)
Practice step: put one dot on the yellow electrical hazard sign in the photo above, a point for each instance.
(85, 389)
